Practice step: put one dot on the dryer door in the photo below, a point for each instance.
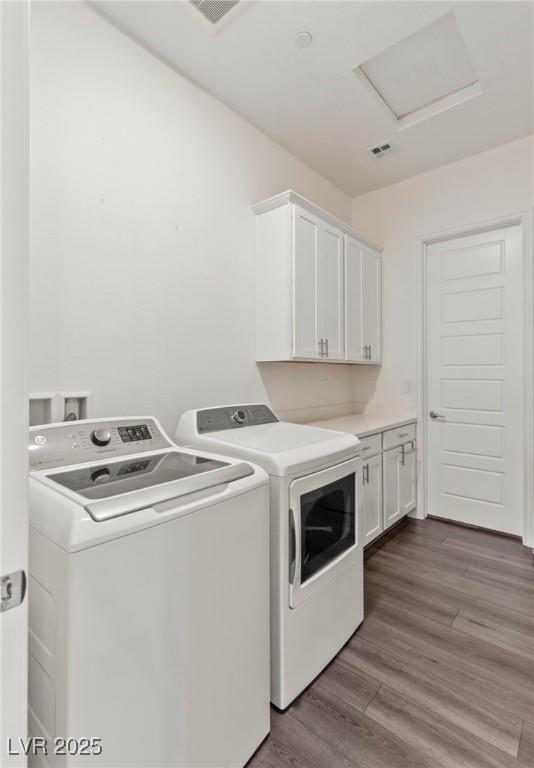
(324, 530)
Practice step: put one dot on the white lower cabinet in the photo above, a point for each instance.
(389, 482)
(408, 479)
(373, 523)
(392, 486)
(399, 483)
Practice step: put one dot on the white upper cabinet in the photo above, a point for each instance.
(332, 295)
(317, 288)
(312, 281)
(371, 300)
(307, 285)
(363, 297)
(354, 292)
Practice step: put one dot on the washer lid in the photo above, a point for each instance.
(108, 490)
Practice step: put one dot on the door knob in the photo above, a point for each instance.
(436, 415)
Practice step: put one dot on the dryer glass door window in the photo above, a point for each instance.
(327, 524)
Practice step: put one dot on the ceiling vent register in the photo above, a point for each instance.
(380, 149)
(214, 10)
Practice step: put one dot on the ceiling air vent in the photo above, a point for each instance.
(214, 10)
(380, 149)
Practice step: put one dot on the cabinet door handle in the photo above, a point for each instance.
(365, 477)
(370, 352)
(403, 455)
(321, 350)
(327, 347)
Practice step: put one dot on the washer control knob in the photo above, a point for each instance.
(101, 436)
(239, 416)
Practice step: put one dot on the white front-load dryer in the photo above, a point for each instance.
(316, 541)
(149, 599)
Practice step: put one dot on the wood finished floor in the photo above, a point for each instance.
(441, 673)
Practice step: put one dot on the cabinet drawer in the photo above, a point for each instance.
(370, 446)
(398, 436)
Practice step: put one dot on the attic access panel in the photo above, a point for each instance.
(424, 73)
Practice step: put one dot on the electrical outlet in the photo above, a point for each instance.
(407, 387)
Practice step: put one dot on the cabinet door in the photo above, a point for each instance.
(408, 479)
(372, 304)
(331, 293)
(353, 300)
(392, 496)
(307, 282)
(371, 489)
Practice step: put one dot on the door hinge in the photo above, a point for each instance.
(12, 590)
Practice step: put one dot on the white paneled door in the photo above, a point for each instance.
(474, 321)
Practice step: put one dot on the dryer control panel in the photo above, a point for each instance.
(74, 442)
(234, 417)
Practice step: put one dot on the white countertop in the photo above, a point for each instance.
(364, 424)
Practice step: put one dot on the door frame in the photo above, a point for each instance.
(14, 292)
(523, 219)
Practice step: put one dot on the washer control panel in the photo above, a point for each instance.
(234, 417)
(75, 442)
(132, 434)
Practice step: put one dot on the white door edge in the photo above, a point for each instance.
(524, 219)
(14, 291)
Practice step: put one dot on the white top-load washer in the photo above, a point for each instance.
(316, 543)
(149, 598)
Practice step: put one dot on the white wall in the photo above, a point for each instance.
(142, 237)
(478, 188)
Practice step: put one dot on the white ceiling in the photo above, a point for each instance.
(310, 100)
